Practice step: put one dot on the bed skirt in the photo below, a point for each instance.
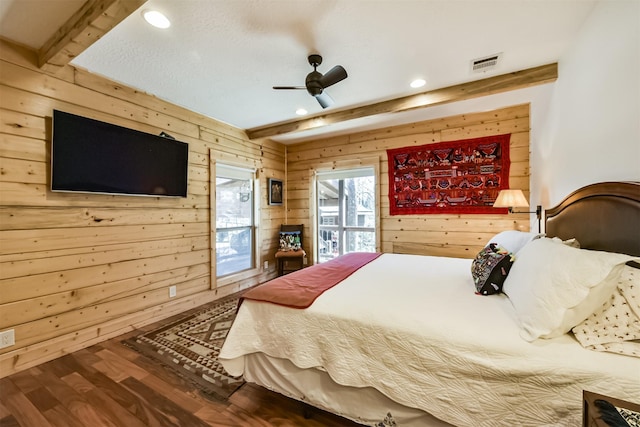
(315, 387)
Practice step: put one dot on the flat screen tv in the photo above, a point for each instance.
(96, 157)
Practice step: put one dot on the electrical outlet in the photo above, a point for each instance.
(172, 291)
(7, 338)
(266, 265)
(305, 261)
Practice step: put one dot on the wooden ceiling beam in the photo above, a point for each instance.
(491, 85)
(93, 20)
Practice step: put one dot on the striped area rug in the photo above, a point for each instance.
(191, 346)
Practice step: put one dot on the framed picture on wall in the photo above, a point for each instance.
(275, 191)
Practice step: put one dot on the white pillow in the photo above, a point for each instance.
(570, 242)
(553, 287)
(513, 240)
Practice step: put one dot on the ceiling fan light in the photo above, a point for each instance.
(418, 83)
(157, 19)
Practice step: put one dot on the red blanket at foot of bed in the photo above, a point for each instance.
(301, 288)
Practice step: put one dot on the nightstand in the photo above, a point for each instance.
(594, 411)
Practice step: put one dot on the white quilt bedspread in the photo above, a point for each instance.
(412, 327)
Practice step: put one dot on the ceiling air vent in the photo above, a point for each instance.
(487, 63)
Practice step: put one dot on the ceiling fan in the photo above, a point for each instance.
(316, 82)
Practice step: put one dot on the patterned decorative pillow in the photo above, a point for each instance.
(290, 241)
(615, 327)
(490, 268)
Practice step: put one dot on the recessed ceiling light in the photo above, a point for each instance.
(156, 19)
(418, 83)
(301, 112)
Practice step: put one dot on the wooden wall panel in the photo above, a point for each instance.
(442, 235)
(75, 268)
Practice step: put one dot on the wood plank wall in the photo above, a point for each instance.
(441, 235)
(76, 269)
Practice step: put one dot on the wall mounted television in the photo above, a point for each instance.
(91, 156)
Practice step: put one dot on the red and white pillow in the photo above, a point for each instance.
(615, 326)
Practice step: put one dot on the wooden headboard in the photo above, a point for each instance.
(603, 216)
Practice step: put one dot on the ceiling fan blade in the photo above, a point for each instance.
(324, 99)
(333, 76)
(289, 87)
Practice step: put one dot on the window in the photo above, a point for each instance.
(346, 216)
(235, 223)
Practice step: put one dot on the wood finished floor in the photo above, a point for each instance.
(111, 385)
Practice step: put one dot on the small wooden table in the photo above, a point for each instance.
(592, 417)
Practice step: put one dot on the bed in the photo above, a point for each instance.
(407, 339)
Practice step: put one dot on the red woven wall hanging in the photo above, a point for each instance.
(460, 177)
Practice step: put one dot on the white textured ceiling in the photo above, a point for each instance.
(221, 58)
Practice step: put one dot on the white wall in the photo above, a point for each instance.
(589, 130)
(585, 127)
